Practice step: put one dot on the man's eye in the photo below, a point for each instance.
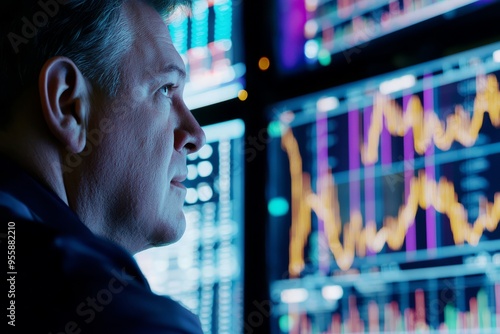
(165, 90)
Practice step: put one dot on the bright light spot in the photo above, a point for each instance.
(192, 172)
(192, 156)
(332, 292)
(311, 5)
(224, 44)
(286, 323)
(226, 130)
(292, 296)
(242, 95)
(184, 262)
(205, 152)
(278, 206)
(496, 56)
(193, 274)
(198, 53)
(205, 168)
(327, 103)
(275, 129)
(191, 196)
(208, 272)
(397, 84)
(496, 259)
(264, 63)
(287, 117)
(310, 29)
(205, 192)
(196, 97)
(324, 57)
(177, 16)
(311, 49)
(199, 8)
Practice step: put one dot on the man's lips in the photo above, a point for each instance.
(178, 184)
(177, 181)
(179, 178)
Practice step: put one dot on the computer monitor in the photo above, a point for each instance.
(384, 202)
(204, 269)
(310, 32)
(210, 42)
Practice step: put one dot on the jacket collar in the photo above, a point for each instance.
(44, 204)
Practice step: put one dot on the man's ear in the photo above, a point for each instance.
(64, 95)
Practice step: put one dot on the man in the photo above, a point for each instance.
(93, 143)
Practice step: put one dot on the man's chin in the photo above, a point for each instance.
(169, 235)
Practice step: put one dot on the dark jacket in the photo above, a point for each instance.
(61, 278)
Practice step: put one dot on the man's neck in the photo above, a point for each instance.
(36, 157)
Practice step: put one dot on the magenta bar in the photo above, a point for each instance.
(354, 159)
(322, 172)
(386, 146)
(411, 236)
(369, 178)
(293, 17)
(430, 214)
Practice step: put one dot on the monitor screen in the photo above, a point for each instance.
(310, 32)
(384, 202)
(209, 40)
(204, 269)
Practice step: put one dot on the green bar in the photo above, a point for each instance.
(482, 309)
(450, 317)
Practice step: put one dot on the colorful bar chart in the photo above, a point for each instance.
(393, 202)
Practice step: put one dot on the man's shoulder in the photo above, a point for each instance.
(65, 281)
(77, 282)
(11, 208)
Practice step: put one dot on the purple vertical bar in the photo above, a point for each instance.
(354, 159)
(385, 145)
(292, 19)
(322, 172)
(369, 178)
(411, 236)
(430, 214)
(386, 157)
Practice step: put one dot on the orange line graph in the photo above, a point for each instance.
(345, 240)
(427, 128)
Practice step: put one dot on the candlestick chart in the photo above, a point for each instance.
(389, 198)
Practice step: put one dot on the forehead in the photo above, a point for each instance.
(152, 48)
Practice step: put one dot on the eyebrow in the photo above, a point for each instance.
(173, 68)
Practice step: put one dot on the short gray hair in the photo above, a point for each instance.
(89, 32)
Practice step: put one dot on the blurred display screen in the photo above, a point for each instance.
(384, 202)
(209, 40)
(204, 269)
(311, 31)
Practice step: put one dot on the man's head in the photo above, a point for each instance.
(108, 128)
